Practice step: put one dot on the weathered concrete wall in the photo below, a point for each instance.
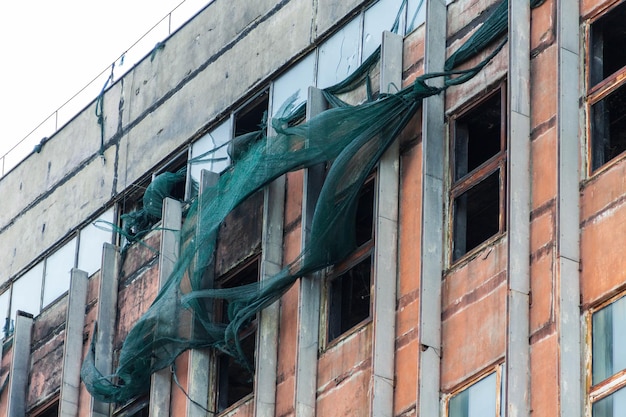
(156, 108)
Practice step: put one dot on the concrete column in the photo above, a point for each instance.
(107, 313)
(73, 344)
(20, 365)
(433, 165)
(518, 228)
(267, 333)
(386, 249)
(161, 382)
(200, 359)
(568, 210)
(311, 286)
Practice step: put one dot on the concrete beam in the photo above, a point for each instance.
(200, 359)
(386, 249)
(73, 344)
(433, 163)
(107, 313)
(20, 365)
(568, 210)
(310, 286)
(518, 189)
(267, 334)
(161, 381)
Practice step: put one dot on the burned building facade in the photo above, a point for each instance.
(483, 273)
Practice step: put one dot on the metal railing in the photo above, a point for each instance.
(169, 24)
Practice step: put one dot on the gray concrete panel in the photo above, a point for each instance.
(73, 344)
(517, 398)
(433, 163)
(200, 359)
(386, 248)
(20, 365)
(107, 314)
(571, 370)
(161, 381)
(310, 286)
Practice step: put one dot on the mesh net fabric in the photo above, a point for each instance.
(353, 138)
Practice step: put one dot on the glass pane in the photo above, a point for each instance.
(91, 239)
(609, 341)
(612, 406)
(478, 400)
(26, 294)
(339, 55)
(378, 18)
(58, 272)
(295, 81)
(216, 161)
(4, 312)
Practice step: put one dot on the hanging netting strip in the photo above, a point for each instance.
(352, 137)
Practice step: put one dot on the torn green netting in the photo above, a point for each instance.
(353, 138)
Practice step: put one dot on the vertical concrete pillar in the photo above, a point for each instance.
(161, 382)
(20, 365)
(433, 165)
(310, 286)
(267, 334)
(518, 228)
(386, 249)
(107, 312)
(568, 209)
(73, 344)
(200, 359)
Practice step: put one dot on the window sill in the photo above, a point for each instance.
(362, 326)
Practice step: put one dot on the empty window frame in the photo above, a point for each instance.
(608, 364)
(349, 286)
(46, 410)
(477, 194)
(483, 398)
(249, 122)
(233, 380)
(606, 94)
(138, 407)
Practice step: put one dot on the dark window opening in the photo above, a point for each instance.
(250, 123)
(478, 136)
(476, 215)
(365, 213)
(349, 299)
(46, 411)
(607, 51)
(138, 407)
(608, 128)
(234, 379)
(607, 94)
(479, 162)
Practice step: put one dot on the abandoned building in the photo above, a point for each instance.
(332, 208)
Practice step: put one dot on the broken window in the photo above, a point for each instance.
(349, 286)
(234, 380)
(249, 121)
(478, 174)
(46, 410)
(138, 407)
(606, 93)
(608, 395)
(480, 399)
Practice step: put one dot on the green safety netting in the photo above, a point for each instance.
(353, 138)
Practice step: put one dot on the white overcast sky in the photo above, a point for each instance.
(52, 49)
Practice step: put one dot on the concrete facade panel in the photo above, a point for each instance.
(543, 82)
(544, 397)
(543, 156)
(473, 338)
(405, 396)
(53, 217)
(542, 291)
(601, 243)
(603, 192)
